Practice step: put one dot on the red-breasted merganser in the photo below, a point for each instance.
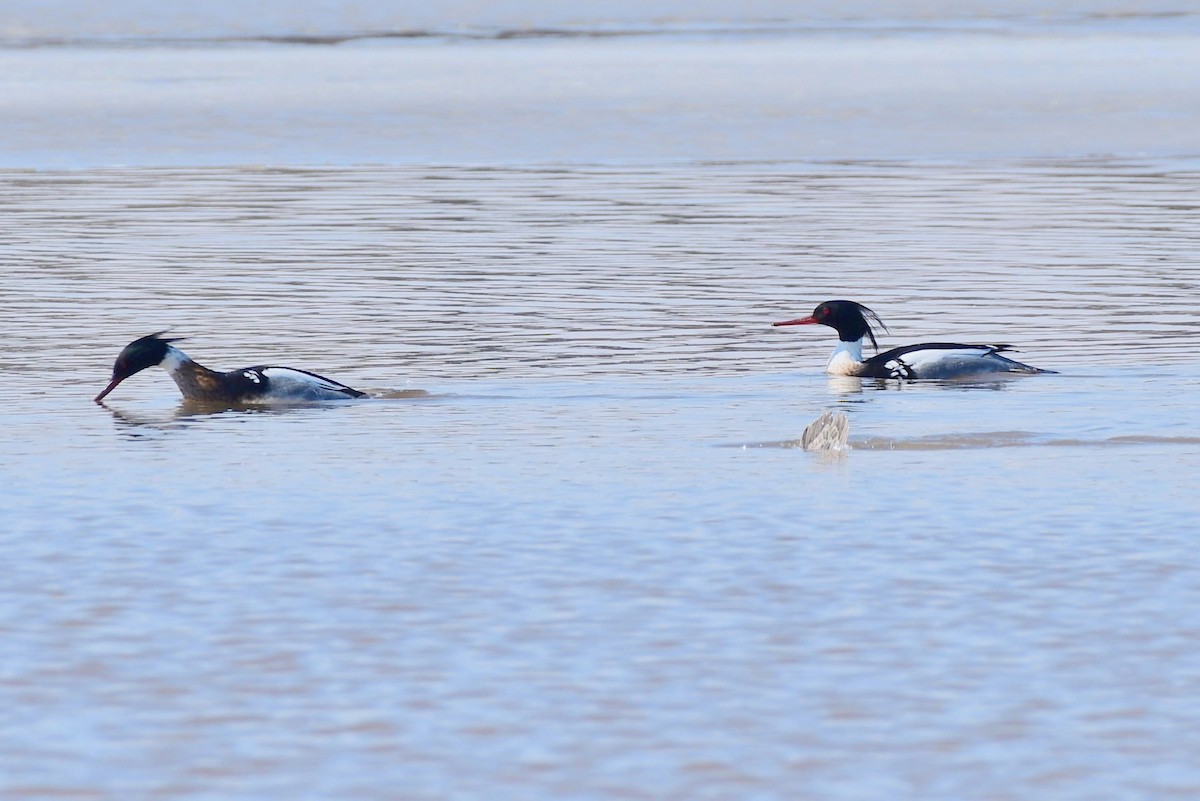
(853, 321)
(265, 384)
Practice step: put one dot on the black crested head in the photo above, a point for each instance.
(138, 355)
(851, 320)
(142, 353)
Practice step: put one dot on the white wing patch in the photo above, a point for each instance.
(286, 384)
(899, 369)
(949, 363)
(253, 376)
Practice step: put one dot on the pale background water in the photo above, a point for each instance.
(587, 565)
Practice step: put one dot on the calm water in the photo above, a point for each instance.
(589, 563)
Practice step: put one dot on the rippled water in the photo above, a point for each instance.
(388, 276)
(569, 548)
(587, 565)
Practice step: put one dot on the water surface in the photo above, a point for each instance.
(583, 566)
(591, 563)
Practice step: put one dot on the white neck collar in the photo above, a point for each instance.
(846, 358)
(174, 359)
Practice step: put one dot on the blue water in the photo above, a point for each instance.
(591, 562)
(580, 590)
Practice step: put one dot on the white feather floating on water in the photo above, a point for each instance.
(829, 432)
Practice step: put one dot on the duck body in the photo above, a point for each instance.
(936, 360)
(260, 384)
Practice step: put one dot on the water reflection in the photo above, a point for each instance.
(189, 411)
(848, 387)
(845, 385)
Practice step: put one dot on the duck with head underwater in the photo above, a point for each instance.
(262, 384)
(852, 321)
